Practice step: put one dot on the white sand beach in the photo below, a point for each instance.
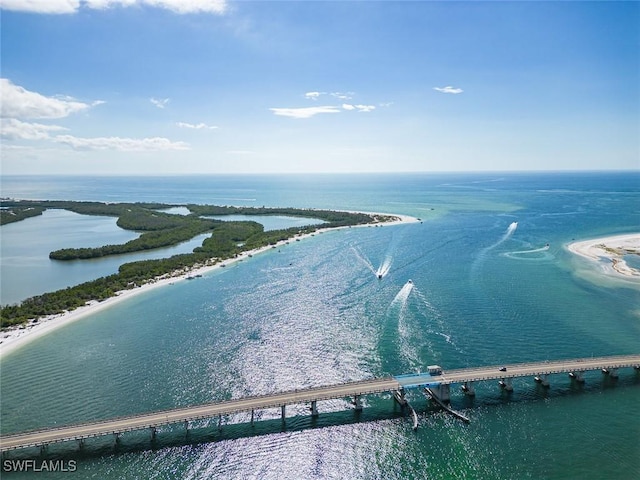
(609, 253)
(18, 336)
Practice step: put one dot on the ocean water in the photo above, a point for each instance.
(485, 290)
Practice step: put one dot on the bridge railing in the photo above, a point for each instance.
(278, 401)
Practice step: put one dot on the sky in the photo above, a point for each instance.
(169, 87)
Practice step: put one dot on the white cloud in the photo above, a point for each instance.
(17, 102)
(160, 102)
(343, 96)
(360, 108)
(218, 7)
(365, 108)
(305, 112)
(448, 89)
(13, 129)
(198, 126)
(121, 144)
(41, 6)
(338, 95)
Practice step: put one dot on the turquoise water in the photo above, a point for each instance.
(485, 291)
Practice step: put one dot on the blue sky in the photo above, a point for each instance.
(215, 86)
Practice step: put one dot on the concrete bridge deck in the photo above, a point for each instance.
(308, 395)
(477, 374)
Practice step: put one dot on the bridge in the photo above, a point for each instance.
(438, 384)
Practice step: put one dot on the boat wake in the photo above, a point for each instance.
(510, 231)
(403, 295)
(436, 326)
(384, 268)
(381, 271)
(535, 250)
(364, 260)
(405, 333)
(534, 254)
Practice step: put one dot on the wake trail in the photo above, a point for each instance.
(383, 270)
(364, 260)
(510, 231)
(405, 336)
(535, 250)
(402, 296)
(440, 328)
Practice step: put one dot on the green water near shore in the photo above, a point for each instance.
(315, 313)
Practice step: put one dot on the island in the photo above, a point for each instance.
(229, 240)
(613, 251)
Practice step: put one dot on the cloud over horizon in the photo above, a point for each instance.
(121, 144)
(18, 104)
(308, 112)
(197, 126)
(14, 129)
(304, 112)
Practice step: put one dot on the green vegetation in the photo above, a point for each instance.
(15, 214)
(333, 218)
(227, 240)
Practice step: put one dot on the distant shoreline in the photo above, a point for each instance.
(19, 336)
(613, 249)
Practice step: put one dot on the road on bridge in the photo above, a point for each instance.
(187, 414)
(518, 370)
(350, 389)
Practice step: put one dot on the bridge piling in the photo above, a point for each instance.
(505, 384)
(314, 408)
(578, 376)
(542, 380)
(349, 390)
(468, 389)
(444, 393)
(153, 434)
(283, 409)
(398, 396)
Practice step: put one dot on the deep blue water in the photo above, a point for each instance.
(485, 291)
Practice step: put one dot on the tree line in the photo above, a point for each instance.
(227, 240)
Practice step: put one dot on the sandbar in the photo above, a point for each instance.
(609, 252)
(18, 336)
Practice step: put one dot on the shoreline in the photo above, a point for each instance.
(19, 336)
(609, 253)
